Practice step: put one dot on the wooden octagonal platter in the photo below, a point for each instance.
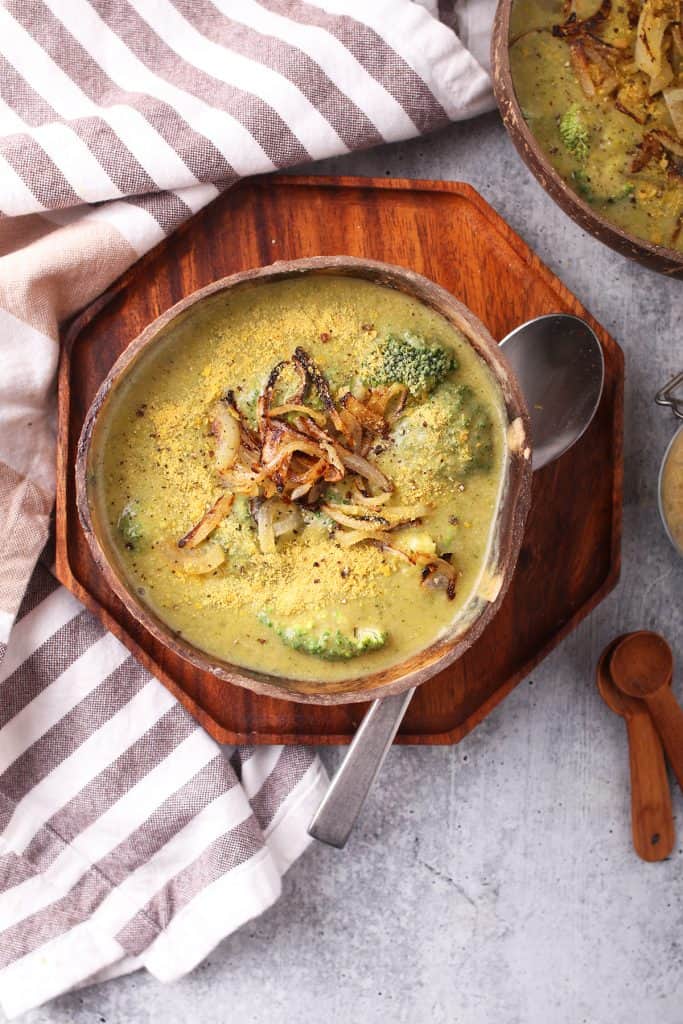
(446, 231)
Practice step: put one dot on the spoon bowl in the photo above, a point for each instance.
(615, 699)
(642, 664)
(560, 366)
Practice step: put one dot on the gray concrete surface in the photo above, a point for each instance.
(493, 881)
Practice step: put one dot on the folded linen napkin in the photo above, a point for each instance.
(128, 838)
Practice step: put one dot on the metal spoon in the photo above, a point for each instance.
(559, 364)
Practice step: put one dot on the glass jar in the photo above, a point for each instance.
(670, 489)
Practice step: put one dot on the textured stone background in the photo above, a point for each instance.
(492, 881)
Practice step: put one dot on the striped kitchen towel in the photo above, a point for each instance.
(127, 837)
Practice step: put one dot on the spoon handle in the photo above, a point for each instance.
(668, 718)
(336, 816)
(651, 815)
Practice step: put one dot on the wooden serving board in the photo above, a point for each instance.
(445, 230)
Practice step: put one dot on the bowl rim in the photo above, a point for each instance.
(513, 504)
(658, 257)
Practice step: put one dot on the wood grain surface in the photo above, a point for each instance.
(570, 555)
(642, 668)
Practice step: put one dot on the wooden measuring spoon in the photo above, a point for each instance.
(652, 821)
(642, 666)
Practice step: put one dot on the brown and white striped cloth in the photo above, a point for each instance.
(128, 838)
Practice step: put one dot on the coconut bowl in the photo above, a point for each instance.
(508, 524)
(657, 257)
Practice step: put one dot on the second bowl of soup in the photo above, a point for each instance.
(591, 92)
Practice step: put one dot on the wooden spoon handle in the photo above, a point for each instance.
(668, 718)
(651, 816)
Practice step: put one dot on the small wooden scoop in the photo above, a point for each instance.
(642, 666)
(651, 816)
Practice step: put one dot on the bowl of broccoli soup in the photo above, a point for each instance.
(591, 92)
(310, 479)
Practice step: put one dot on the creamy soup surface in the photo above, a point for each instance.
(295, 573)
(600, 84)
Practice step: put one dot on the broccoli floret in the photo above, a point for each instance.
(247, 404)
(240, 511)
(410, 360)
(452, 432)
(328, 644)
(583, 185)
(592, 191)
(469, 436)
(623, 193)
(128, 524)
(574, 132)
(237, 536)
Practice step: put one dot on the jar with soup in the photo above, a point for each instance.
(671, 473)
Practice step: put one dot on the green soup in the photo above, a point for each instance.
(607, 108)
(377, 558)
